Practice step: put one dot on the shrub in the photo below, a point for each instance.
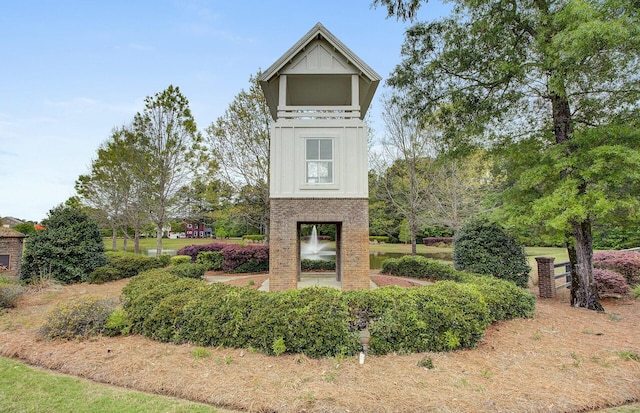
(504, 299)
(441, 317)
(251, 258)
(610, 282)
(253, 238)
(194, 250)
(180, 259)
(118, 323)
(144, 292)
(10, 291)
(211, 259)
(626, 263)
(78, 318)
(636, 291)
(419, 267)
(69, 249)
(188, 270)
(378, 238)
(486, 248)
(125, 265)
(104, 274)
(317, 265)
(437, 241)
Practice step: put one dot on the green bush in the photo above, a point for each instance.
(79, 318)
(145, 291)
(505, 299)
(188, 270)
(440, 317)
(180, 259)
(419, 267)
(636, 291)
(378, 238)
(68, 250)
(212, 259)
(253, 238)
(251, 266)
(486, 248)
(118, 323)
(321, 322)
(125, 265)
(104, 274)
(317, 265)
(10, 291)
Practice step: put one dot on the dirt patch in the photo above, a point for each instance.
(562, 360)
(254, 281)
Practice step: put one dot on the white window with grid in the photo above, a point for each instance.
(319, 161)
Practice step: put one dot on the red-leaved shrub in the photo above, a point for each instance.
(626, 263)
(194, 250)
(237, 259)
(610, 282)
(252, 258)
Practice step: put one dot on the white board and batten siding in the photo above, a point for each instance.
(288, 161)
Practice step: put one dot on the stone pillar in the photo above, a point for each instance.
(546, 277)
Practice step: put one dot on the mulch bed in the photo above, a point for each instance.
(563, 360)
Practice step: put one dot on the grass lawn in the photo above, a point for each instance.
(28, 389)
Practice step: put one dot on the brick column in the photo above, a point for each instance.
(351, 215)
(546, 277)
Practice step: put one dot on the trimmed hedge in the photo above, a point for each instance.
(194, 250)
(188, 270)
(626, 263)
(125, 265)
(418, 266)
(180, 259)
(430, 241)
(236, 258)
(505, 299)
(253, 238)
(317, 265)
(211, 259)
(320, 322)
(379, 238)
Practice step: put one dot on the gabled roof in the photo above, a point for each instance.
(10, 233)
(369, 79)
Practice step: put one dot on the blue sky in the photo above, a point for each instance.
(70, 71)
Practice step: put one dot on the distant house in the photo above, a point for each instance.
(196, 229)
(10, 222)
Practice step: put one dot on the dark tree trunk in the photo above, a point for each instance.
(562, 126)
(583, 291)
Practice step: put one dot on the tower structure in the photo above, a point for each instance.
(318, 93)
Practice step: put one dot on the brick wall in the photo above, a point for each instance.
(12, 246)
(351, 215)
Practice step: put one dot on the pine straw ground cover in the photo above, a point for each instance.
(563, 360)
